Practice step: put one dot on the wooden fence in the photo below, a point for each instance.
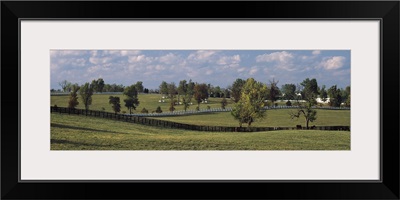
(168, 124)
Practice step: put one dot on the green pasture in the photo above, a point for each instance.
(148, 101)
(73, 132)
(278, 117)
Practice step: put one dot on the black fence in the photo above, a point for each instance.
(168, 124)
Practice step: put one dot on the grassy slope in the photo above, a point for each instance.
(273, 118)
(148, 101)
(87, 133)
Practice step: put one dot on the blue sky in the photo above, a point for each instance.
(217, 67)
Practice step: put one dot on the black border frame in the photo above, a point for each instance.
(386, 11)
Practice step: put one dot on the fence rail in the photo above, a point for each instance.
(168, 124)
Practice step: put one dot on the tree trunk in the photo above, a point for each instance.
(307, 123)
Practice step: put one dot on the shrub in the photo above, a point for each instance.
(144, 110)
(288, 103)
(103, 109)
(224, 102)
(208, 107)
(158, 110)
(197, 108)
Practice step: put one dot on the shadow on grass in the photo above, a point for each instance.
(56, 141)
(81, 128)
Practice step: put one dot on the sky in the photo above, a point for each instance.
(217, 67)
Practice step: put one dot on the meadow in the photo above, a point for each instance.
(148, 101)
(274, 118)
(72, 132)
(279, 117)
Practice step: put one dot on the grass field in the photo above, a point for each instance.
(148, 101)
(273, 118)
(72, 132)
(279, 117)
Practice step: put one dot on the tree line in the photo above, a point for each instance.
(87, 90)
(99, 86)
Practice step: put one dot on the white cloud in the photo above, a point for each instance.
(241, 69)
(283, 60)
(160, 67)
(317, 52)
(121, 52)
(304, 57)
(229, 60)
(334, 62)
(99, 60)
(253, 71)
(93, 69)
(209, 72)
(140, 58)
(80, 62)
(282, 57)
(169, 58)
(202, 55)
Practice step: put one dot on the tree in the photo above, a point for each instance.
(64, 84)
(200, 93)
(217, 92)
(73, 98)
(182, 89)
(346, 96)
(335, 96)
(86, 92)
(172, 91)
(323, 94)
(251, 103)
(158, 110)
(163, 88)
(273, 91)
(190, 88)
(236, 89)
(224, 103)
(132, 100)
(186, 100)
(348, 103)
(172, 105)
(310, 89)
(210, 90)
(94, 85)
(309, 93)
(100, 85)
(139, 86)
(116, 106)
(289, 91)
(307, 111)
(348, 92)
(227, 93)
(144, 110)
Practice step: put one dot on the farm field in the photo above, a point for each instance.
(148, 101)
(72, 132)
(274, 118)
(279, 117)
